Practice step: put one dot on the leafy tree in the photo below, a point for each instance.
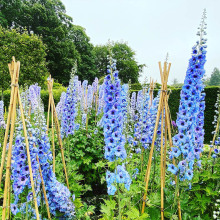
(128, 67)
(46, 18)
(29, 50)
(215, 78)
(176, 84)
(101, 61)
(86, 59)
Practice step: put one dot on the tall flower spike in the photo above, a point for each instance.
(60, 105)
(70, 108)
(39, 145)
(113, 116)
(190, 118)
(2, 121)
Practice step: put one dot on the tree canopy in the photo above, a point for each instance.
(215, 78)
(128, 67)
(66, 42)
(29, 50)
(48, 19)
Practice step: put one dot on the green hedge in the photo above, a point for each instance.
(174, 99)
(44, 96)
(210, 100)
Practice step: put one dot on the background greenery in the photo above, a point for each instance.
(65, 42)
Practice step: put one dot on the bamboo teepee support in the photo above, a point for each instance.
(162, 107)
(147, 176)
(14, 68)
(57, 126)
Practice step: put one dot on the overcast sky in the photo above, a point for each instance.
(151, 29)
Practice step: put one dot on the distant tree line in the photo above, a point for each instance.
(63, 42)
(213, 80)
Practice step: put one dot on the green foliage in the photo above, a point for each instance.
(199, 202)
(65, 42)
(86, 68)
(29, 50)
(135, 86)
(47, 19)
(86, 149)
(85, 212)
(127, 66)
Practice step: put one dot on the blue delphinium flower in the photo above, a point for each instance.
(70, 108)
(113, 118)
(2, 121)
(133, 106)
(190, 118)
(119, 176)
(115, 105)
(60, 105)
(124, 102)
(101, 99)
(144, 127)
(58, 195)
(34, 94)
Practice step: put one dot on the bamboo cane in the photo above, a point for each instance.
(12, 68)
(53, 144)
(57, 126)
(164, 78)
(162, 167)
(165, 153)
(44, 190)
(9, 198)
(28, 155)
(49, 105)
(147, 176)
(13, 114)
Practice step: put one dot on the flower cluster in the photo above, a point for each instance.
(119, 176)
(60, 105)
(190, 118)
(34, 95)
(2, 121)
(113, 118)
(70, 110)
(113, 127)
(133, 106)
(144, 128)
(124, 102)
(58, 195)
(101, 99)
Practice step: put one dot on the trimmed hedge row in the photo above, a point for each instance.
(210, 100)
(44, 96)
(174, 99)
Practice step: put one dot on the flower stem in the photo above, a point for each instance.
(119, 205)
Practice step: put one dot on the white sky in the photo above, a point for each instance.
(151, 29)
